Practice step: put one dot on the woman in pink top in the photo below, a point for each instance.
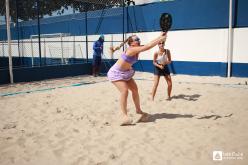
(121, 73)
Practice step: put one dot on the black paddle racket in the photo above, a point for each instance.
(165, 22)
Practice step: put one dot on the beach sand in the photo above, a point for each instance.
(75, 121)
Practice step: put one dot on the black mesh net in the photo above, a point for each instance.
(45, 32)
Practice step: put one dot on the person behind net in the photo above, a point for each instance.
(121, 73)
(161, 60)
(97, 55)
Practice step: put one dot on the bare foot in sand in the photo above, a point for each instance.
(144, 118)
(150, 99)
(141, 117)
(126, 121)
(168, 98)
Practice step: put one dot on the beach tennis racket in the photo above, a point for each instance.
(165, 22)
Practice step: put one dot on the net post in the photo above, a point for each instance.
(111, 45)
(32, 51)
(62, 52)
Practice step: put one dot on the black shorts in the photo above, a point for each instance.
(162, 72)
(97, 60)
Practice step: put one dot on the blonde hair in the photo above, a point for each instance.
(129, 40)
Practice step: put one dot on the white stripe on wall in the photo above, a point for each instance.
(205, 45)
(240, 45)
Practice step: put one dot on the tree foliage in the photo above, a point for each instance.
(27, 9)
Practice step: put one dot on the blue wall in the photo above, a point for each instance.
(50, 72)
(241, 13)
(187, 14)
(176, 67)
(191, 68)
(197, 68)
(27, 61)
(239, 70)
(47, 72)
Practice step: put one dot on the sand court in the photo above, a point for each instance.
(76, 121)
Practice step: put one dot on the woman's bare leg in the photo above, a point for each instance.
(123, 89)
(143, 117)
(155, 85)
(169, 83)
(135, 95)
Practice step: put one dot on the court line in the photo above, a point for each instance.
(48, 89)
(241, 86)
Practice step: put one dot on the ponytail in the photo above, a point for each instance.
(128, 40)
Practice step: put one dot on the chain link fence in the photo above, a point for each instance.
(59, 32)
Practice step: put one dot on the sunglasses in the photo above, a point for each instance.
(161, 43)
(137, 39)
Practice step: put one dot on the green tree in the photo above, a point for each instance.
(27, 9)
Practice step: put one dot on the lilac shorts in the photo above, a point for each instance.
(115, 73)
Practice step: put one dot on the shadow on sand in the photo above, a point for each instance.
(193, 97)
(154, 117)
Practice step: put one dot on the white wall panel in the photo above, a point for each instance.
(240, 45)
